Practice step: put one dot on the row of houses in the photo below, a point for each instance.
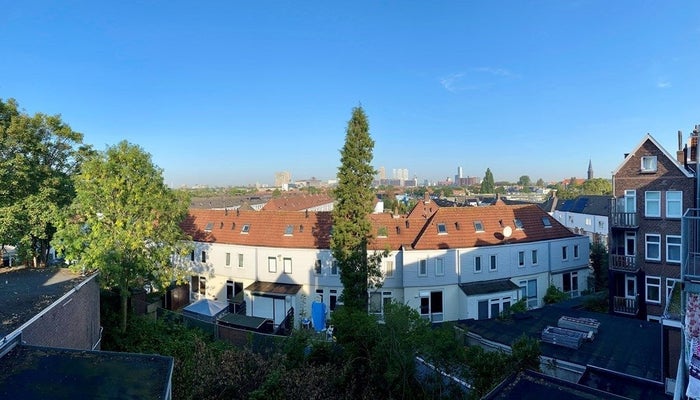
(447, 263)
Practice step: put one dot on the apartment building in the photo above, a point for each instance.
(447, 263)
(651, 190)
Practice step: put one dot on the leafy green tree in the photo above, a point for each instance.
(525, 181)
(599, 262)
(38, 156)
(487, 184)
(354, 202)
(525, 354)
(124, 222)
(540, 183)
(598, 186)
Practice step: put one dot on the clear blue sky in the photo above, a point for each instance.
(229, 92)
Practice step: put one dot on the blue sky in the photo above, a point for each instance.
(229, 92)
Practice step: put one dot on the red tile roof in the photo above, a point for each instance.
(299, 202)
(312, 229)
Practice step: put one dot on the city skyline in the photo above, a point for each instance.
(228, 93)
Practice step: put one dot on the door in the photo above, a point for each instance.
(630, 287)
(483, 309)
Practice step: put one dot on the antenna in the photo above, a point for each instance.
(507, 231)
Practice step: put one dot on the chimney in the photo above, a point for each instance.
(680, 154)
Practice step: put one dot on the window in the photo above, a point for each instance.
(389, 269)
(588, 222)
(521, 258)
(431, 305)
(546, 222)
(382, 232)
(653, 247)
(570, 280)
(528, 291)
(228, 259)
(442, 229)
(319, 295)
(317, 267)
(478, 226)
(289, 230)
(192, 255)
(209, 227)
(229, 290)
(378, 302)
(492, 266)
(271, 264)
(652, 204)
(575, 251)
(673, 249)
(630, 201)
(653, 289)
(669, 287)
(648, 163)
(333, 299)
(674, 204)
(439, 267)
(534, 257)
(334, 267)
(204, 256)
(518, 224)
(202, 286)
(194, 284)
(245, 229)
(477, 264)
(240, 260)
(564, 253)
(287, 262)
(423, 268)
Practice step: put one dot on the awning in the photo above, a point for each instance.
(281, 289)
(487, 287)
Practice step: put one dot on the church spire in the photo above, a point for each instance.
(590, 169)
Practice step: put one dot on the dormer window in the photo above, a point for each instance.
(478, 226)
(246, 228)
(442, 229)
(546, 222)
(649, 164)
(209, 227)
(289, 230)
(518, 223)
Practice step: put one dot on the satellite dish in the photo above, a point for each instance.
(507, 231)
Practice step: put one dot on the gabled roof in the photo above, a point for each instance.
(460, 227)
(298, 202)
(649, 138)
(207, 307)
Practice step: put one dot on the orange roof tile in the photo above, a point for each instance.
(297, 202)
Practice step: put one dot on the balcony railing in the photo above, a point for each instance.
(623, 263)
(624, 220)
(625, 305)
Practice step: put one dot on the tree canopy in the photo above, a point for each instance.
(488, 185)
(124, 222)
(354, 202)
(38, 155)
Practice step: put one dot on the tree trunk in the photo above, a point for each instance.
(124, 293)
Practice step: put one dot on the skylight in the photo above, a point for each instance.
(209, 227)
(245, 229)
(478, 226)
(546, 222)
(289, 230)
(518, 223)
(442, 229)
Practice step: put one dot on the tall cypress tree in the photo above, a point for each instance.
(354, 203)
(488, 185)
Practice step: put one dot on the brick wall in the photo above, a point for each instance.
(73, 322)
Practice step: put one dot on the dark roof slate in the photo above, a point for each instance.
(486, 287)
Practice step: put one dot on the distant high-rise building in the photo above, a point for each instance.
(590, 169)
(400, 173)
(282, 178)
(382, 173)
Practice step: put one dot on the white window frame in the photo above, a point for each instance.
(478, 265)
(652, 206)
(656, 285)
(576, 252)
(318, 266)
(240, 260)
(439, 266)
(669, 287)
(334, 268)
(564, 253)
(272, 265)
(531, 299)
(287, 265)
(493, 262)
(631, 201)
(389, 268)
(533, 256)
(521, 258)
(423, 267)
(673, 204)
(442, 229)
(648, 243)
(669, 245)
(228, 259)
(649, 164)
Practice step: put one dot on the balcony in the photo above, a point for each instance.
(625, 220)
(623, 263)
(690, 247)
(624, 305)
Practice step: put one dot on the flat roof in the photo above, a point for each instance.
(29, 372)
(529, 385)
(624, 345)
(243, 320)
(486, 287)
(24, 292)
(274, 288)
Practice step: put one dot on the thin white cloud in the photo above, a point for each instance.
(475, 79)
(663, 84)
(452, 82)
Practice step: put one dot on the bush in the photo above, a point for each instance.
(554, 295)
